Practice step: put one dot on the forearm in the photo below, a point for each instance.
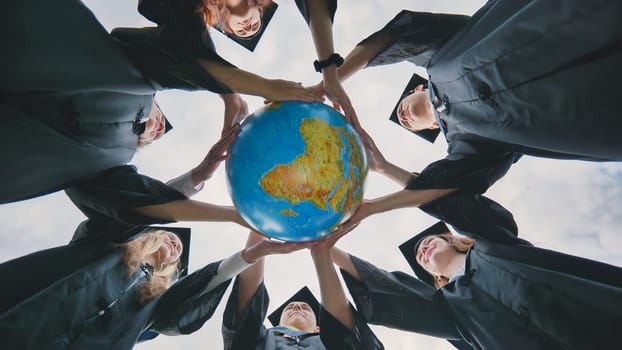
(342, 259)
(187, 183)
(321, 28)
(191, 210)
(228, 268)
(236, 79)
(399, 175)
(250, 279)
(405, 199)
(360, 56)
(333, 296)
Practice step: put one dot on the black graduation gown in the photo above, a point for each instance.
(535, 77)
(70, 94)
(106, 199)
(180, 35)
(80, 296)
(512, 296)
(248, 332)
(183, 30)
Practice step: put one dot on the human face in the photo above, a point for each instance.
(246, 24)
(154, 126)
(299, 315)
(415, 111)
(434, 254)
(170, 248)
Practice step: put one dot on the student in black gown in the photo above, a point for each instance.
(295, 323)
(103, 291)
(76, 101)
(489, 289)
(518, 77)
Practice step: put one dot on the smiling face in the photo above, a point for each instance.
(299, 315)
(434, 254)
(415, 111)
(246, 24)
(170, 249)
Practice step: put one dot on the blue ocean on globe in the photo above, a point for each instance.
(297, 170)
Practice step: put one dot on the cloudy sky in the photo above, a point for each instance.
(574, 207)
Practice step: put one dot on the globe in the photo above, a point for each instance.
(297, 170)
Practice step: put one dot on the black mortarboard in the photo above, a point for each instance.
(409, 248)
(251, 42)
(167, 126)
(428, 134)
(303, 295)
(141, 122)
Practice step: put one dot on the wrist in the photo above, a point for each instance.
(381, 167)
(329, 74)
(249, 255)
(320, 254)
(335, 60)
(198, 175)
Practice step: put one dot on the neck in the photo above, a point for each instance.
(454, 265)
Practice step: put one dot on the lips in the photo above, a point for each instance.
(160, 123)
(301, 314)
(428, 252)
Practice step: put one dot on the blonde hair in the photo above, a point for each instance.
(135, 253)
(461, 244)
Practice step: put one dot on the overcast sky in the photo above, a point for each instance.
(574, 207)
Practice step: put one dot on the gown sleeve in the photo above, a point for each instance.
(245, 331)
(335, 335)
(187, 304)
(106, 200)
(397, 300)
(415, 36)
(168, 54)
(476, 216)
(304, 10)
(474, 168)
(168, 61)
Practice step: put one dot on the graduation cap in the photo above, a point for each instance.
(409, 249)
(167, 126)
(250, 42)
(140, 123)
(303, 295)
(427, 134)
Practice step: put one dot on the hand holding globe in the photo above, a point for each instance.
(297, 170)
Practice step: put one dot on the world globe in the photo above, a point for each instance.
(297, 170)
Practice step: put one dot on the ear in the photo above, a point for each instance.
(434, 125)
(316, 329)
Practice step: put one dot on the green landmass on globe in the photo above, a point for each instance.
(297, 170)
(317, 175)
